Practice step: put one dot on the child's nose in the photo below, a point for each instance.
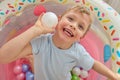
(73, 26)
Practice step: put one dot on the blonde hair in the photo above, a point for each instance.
(81, 9)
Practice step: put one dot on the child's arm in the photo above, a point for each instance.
(102, 69)
(20, 46)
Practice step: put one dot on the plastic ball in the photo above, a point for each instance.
(17, 69)
(75, 77)
(25, 67)
(49, 19)
(20, 76)
(76, 70)
(39, 9)
(29, 76)
(84, 74)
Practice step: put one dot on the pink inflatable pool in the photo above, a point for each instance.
(15, 25)
(91, 42)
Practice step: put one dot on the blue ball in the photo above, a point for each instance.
(25, 67)
(29, 76)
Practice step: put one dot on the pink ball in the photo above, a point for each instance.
(39, 9)
(20, 76)
(17, 69)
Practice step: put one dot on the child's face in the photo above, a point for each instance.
(73, 25)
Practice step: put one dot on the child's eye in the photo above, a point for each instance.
(70, 18)
(80, 27)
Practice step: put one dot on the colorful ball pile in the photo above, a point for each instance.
(78, 73)
(23, 72)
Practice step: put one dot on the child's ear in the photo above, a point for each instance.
(59, 17)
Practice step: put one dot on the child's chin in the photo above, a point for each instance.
(66, 39)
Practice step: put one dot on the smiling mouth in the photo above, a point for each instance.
(68, 32)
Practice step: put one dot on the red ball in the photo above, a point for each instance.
(39, 9)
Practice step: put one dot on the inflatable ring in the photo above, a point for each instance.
(107, 17)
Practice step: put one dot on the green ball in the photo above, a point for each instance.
(75, 77)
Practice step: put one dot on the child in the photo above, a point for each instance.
(56, 54)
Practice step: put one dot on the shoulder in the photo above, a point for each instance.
(41, 40)
(79, 47)
(42, 37)
(84, 59)
(40, 43)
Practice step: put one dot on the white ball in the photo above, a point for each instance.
(49, 19)
(84, 74)
(76, 70)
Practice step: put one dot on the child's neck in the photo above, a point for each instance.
(59, 43)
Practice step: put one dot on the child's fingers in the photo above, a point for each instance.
(52, 30)
(39, 18)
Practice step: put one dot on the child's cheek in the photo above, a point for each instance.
(65, 23)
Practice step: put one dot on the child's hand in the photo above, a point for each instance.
(40, 28)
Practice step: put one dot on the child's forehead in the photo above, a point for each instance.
(73, 13)
(79, 10)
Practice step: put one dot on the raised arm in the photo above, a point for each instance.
(103, 70)
(20, 46)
